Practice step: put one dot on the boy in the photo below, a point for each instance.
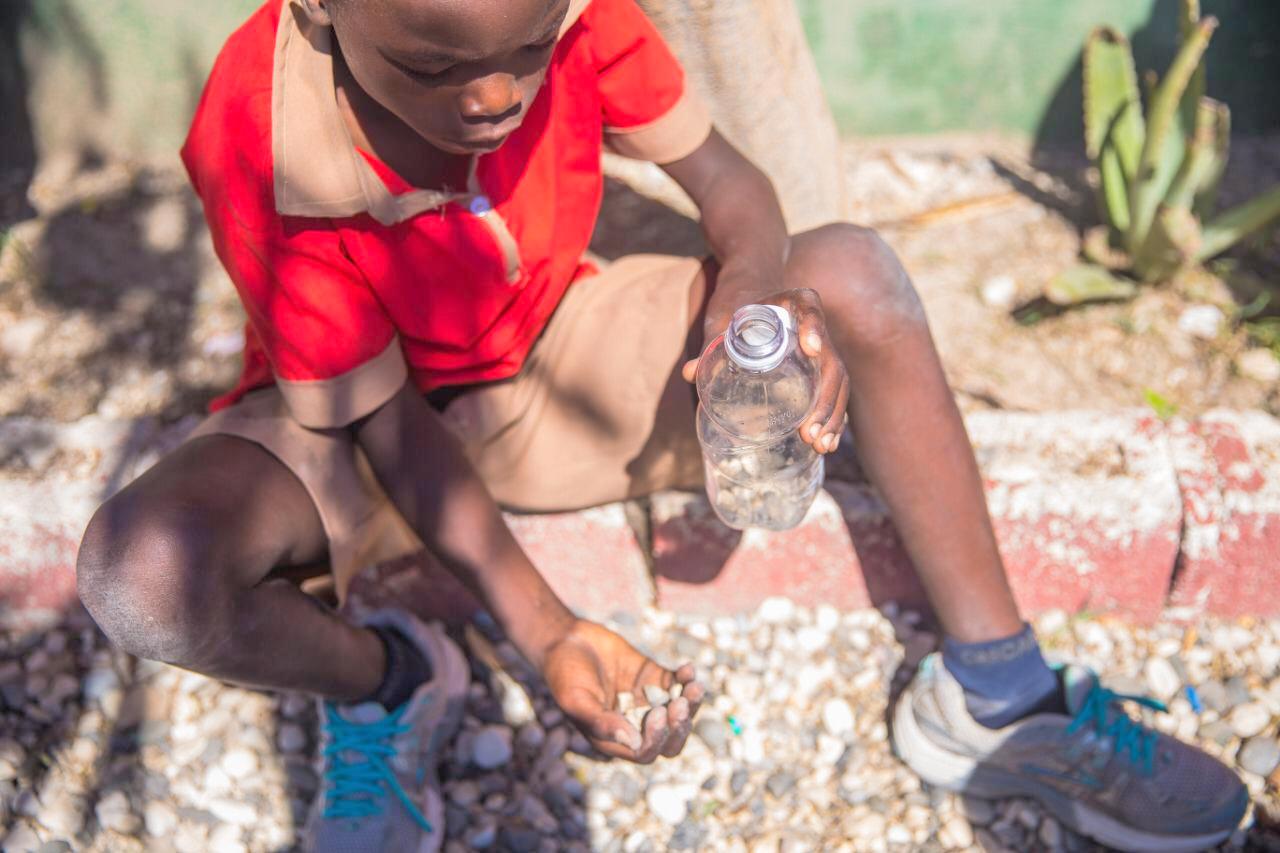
(403, 192)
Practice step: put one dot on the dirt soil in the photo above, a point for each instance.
(112, 301)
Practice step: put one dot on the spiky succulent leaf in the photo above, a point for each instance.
(1234, 225)
(1200, 160)
(1097, 248)
(1188, 18)
(1112, 120)
(1161, 158)
(1172, 244)
(1087, 283)
(1206, 200)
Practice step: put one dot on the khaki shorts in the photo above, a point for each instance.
(599, 413)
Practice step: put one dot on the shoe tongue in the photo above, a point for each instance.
(364, 713)
(1077, 683)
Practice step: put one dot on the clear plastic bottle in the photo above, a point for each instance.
(755, 386)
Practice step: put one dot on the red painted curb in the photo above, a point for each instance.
(1228, 469)
(1092, 511)
(1085, 507)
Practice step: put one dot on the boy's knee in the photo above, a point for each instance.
(868, 296)
(139, 575)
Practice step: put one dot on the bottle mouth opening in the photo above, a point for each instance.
(757, 336)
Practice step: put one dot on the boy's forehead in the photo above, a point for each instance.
(460, 29)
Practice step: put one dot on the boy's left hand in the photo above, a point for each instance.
(825, 422)
(590, 666)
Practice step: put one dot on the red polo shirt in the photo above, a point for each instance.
(354, 280)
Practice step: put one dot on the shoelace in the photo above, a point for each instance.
(356, 788)
(1126, 735)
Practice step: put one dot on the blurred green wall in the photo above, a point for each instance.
(117, 77)
(916, 66)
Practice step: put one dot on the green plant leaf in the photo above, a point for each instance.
(1206, 200)
(1200, 162)
(1161, 156)
(1172, 244)
(1163, 408)
(1087, 283)
(1230, 227)
(1112, 120)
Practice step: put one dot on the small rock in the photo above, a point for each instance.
(669, 803)
(114, 813)
(482, 837)
(232, 811)
(1260, 365)
(837, 717)
(58, 846)
(291, 738)
(1000, 292)
(99, 682)
(225, 839)
(491, 747)
(1219, 731)
(1259, 755)
(1051, 834)
(979, 812)
(776, 610)
(780, 783)
(519, 839)
(20, 839)
(239, 763)
(159, 818)
(1249, 719)
(1201, 321)
(1162, 678)
(956, 834)
(624, 788)
(713, 733)
(1213, 695)
(738, 781)
(656, 696)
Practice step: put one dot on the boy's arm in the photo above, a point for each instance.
(421, 465)
(743, 222)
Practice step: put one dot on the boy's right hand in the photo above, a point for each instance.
(591, 665)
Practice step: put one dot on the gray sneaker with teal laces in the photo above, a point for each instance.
(380, 791)
(1094, 768)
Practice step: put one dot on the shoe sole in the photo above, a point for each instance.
(954, 772)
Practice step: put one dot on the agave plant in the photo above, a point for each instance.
(1157, 178)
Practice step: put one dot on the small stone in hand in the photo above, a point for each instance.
(655, 695)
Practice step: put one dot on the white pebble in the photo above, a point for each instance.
(1201, 321)
(837, 717)
(1000, 292)
(669, 803)
(1249, 719)
(160, 818)
(776, 610)
(239, 763)
(656, 696)
(1260, 365)
(1162, 678)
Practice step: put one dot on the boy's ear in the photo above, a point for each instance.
(317, 12)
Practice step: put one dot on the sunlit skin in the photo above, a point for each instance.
(424, 84)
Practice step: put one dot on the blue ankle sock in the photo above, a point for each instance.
(1003, 680)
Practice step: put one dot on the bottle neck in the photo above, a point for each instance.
(758, 337)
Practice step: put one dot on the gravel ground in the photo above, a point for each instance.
(102, 752)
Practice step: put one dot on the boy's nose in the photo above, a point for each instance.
(490, 97)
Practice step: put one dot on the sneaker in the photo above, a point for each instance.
(1094, 768)
(378, 768)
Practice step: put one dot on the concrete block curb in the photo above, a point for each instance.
(1228, 469)
(1099, 511)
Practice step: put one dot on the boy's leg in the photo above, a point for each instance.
(959, 724)
(906, 427)
(176, 568)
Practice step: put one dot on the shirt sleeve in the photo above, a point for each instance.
(333, 350)
(650, 113)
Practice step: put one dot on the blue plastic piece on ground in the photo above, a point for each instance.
(735, 726)
(1194, 699)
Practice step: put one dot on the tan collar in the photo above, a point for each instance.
(318, 171)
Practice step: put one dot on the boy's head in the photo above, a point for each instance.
(461, 73)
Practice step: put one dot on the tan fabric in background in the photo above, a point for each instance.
(598, 414)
